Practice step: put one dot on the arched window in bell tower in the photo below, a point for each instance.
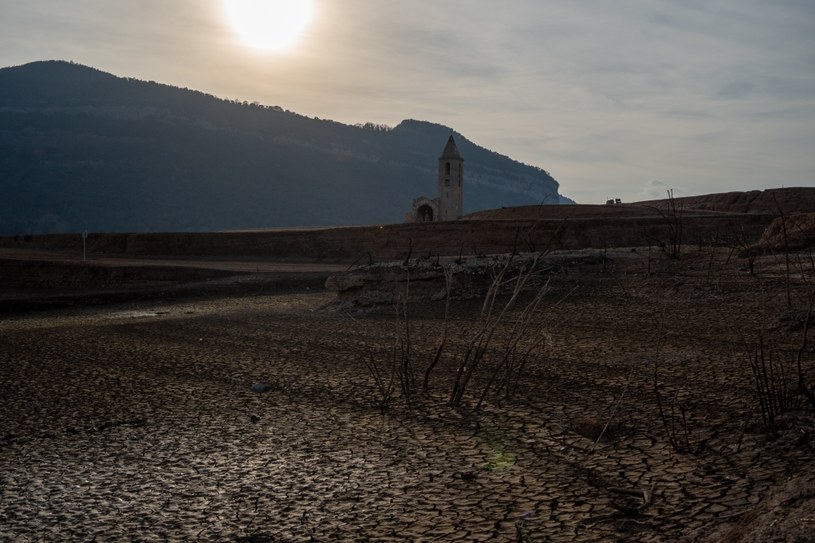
(447, 167)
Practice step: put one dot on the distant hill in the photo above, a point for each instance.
(83, 149)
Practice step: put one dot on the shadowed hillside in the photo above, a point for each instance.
(83, 149)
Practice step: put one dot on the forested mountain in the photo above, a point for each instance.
(83, 149)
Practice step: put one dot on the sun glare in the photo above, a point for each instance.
(269, 25)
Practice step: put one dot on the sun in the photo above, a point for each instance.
(268, 25)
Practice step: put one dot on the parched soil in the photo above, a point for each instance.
(635, 418)
(787, 201)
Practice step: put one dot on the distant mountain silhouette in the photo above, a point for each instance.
(83, 149)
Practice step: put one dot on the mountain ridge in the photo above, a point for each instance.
(81, 149)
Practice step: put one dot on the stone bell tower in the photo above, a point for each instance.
(451, 178)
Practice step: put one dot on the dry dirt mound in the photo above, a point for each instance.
(565, 212)
(565, 228)
(789, 200)
(796, 232)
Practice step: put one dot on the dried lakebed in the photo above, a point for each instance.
(139, 422)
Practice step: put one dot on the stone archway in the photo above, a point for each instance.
(424, 213)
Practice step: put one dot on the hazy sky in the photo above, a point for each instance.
(615, 98)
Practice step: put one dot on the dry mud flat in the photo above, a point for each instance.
(138, 421)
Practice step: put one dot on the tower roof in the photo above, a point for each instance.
(450, 150)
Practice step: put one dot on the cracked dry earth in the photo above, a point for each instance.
(139, 422)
